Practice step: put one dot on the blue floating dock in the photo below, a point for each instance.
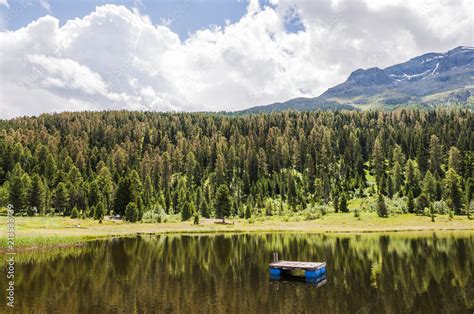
(312, 270)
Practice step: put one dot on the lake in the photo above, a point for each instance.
(367, 273)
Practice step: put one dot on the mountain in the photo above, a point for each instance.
(428, 80)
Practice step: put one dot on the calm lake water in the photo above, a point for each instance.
(430, 273)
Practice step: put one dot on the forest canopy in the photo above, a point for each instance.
(137, 164)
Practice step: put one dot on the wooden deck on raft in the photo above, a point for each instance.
(290, 265)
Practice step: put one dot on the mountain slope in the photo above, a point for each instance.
(430, 79)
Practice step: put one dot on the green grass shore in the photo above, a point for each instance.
(35, 232)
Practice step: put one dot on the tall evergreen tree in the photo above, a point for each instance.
(381, 207)
(61, 198)
(343, 205)
(453, 191)
(435, 156)
(38, 194)
(223, 202)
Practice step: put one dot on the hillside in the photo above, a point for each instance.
(428, 80)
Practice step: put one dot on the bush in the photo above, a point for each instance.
(196, 218)
(323, 209)
(397, 205)
(156, 215)
(312, 213)
(74, 213)
(150, 216)
(440, 207)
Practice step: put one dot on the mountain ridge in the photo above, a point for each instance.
(429, 80)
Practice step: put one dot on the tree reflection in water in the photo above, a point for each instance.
(426, 273)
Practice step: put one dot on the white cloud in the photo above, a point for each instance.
(116, 57)
(5, 3)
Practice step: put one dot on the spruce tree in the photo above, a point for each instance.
(38, 194)
(204, 208)
(186, 211)
(381, 207)
(343, 205)
(410, 202)
(422, 202)
(453, 191)
(61, 198)
(131, 212)
(223, 202)
(17, 190)
(99, 213)
(248, 213)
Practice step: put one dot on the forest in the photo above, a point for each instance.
(144, 166)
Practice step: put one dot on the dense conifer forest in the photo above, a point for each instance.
(147, 165)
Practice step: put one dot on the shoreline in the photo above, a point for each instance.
(46, 232)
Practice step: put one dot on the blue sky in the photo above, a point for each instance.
(186, 16)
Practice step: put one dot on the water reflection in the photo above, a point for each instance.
(314, 281)
(229, 274)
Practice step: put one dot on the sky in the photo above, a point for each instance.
(207, 55)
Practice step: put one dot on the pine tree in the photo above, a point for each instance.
(50, 170)
(196, 218)
(223, 202)
(336, 202)
(343, 205)
(389, 187)
(187, 211)
(432, 213)
(74, 213)
(454, 159)
(99, 211)
(453, 192)
(106, 187)
(381, 207)
(18, 192)
(4, 194)
(25, 195)
(318, 190)
(95, 195)
(38, 194)
(429, 186)
(410, 202)
(435, 156)
(378, 157)
(397, 178)
(422, 155)
(61, 198)
(292, 190)
(422, 202)
(131, 212)
(412, 178)
(148, 191)
(248, 213)
(204, 207)
(122, 196)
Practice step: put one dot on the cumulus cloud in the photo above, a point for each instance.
(116, 58)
